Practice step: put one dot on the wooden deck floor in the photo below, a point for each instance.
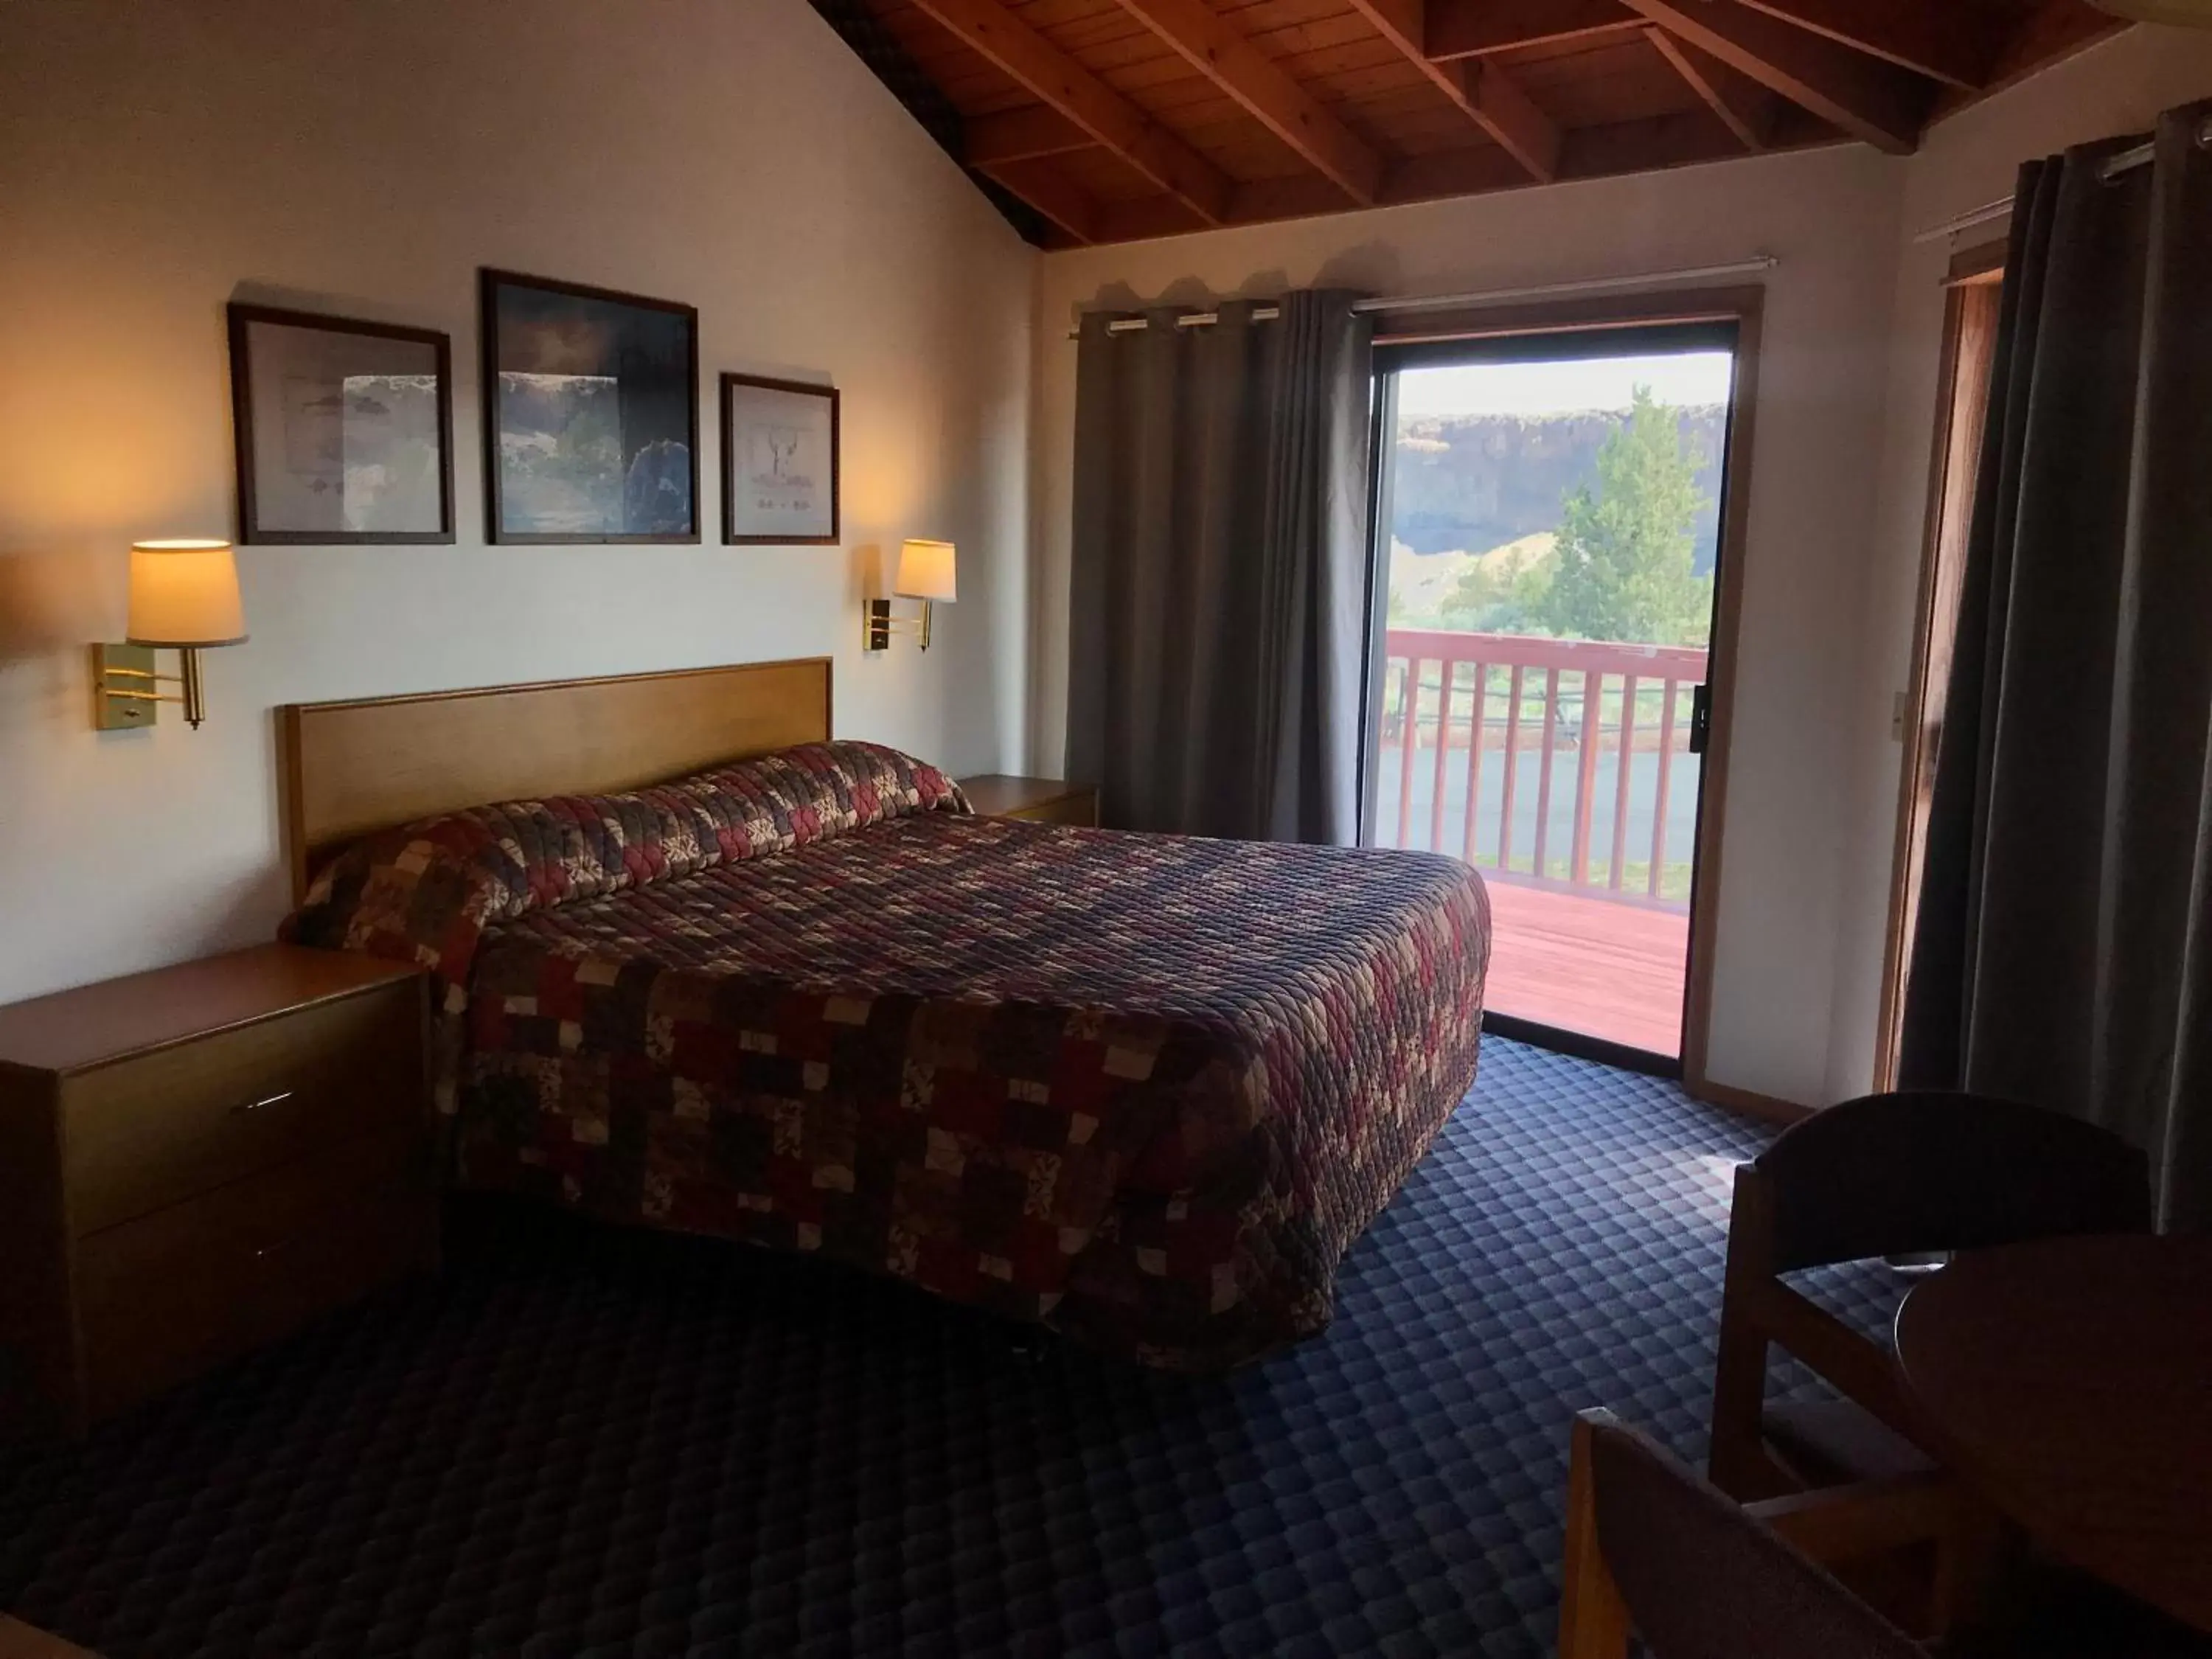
(1609, 970)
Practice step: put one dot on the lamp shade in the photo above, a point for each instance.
(925, 571)
(185, 593)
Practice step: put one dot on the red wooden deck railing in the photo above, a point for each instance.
(1568, 682)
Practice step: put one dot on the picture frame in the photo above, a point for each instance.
(342, 429)
(591, 414)
(780, 459)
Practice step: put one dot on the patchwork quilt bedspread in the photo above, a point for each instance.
(1147, 1089)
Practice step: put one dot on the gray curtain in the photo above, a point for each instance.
(1218, 598)
(2064, 949)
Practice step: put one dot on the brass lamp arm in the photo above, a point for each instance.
(878, 625)
(106, 670)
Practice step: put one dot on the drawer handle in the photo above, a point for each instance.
(245, 1106)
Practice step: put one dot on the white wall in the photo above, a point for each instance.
(158, 160)
(1831, 218)
(1967, 161)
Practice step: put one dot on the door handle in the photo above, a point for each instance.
(1701, 718)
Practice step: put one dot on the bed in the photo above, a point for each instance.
(734, 978)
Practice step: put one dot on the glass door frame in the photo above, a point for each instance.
(1626, 323)
(1970, 307)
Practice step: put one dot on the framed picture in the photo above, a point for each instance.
(591, 414)
(779, 463)
(344, 429)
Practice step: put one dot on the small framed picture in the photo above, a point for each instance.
(591, 414)
(344, 429)
(779, 463)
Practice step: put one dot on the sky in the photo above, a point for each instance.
(1686, 377)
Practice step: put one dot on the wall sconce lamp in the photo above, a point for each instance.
(926, 572)
(184, 597)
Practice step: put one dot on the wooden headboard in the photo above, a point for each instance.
(351, 768)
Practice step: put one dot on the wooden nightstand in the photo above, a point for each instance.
(1040, 800)
(195, 1161)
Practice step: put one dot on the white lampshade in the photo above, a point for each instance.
(925, 571)
(185, 593)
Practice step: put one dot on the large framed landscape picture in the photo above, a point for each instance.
(591, 413)
(779, 463)
(344, 429)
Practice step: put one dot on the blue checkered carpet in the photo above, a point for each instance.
(579, 1440)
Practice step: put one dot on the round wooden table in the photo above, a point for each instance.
(2071, 1382)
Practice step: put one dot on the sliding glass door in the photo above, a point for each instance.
(1550, 543)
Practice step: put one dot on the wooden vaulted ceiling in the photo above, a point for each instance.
(1117, 120)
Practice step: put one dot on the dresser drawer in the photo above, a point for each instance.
(167, 1297)
(1082, 808)
(160, 1127)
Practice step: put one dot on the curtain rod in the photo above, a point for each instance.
(1480, 297)
(2126, 162)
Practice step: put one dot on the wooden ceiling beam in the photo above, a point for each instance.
(1051, 192)
(1019, 135)
(1945, 39)
(1510, 116)
(1747, 108)
(1216, 50)
(1490, 96)
(1470, 28)
(1088, 101)
(1868, 99)
(1611, 149)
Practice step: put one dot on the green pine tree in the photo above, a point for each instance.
(1622, 569)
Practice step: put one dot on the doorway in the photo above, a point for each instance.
(1551, 606)
(1970, 317)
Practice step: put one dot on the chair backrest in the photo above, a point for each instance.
(1924, 1170)
(1701, 1579)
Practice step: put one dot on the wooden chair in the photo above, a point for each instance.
(1885, 1174)
(1652, 1549)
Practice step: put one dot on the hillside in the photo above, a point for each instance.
(1472, 484)
(1421, 582)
